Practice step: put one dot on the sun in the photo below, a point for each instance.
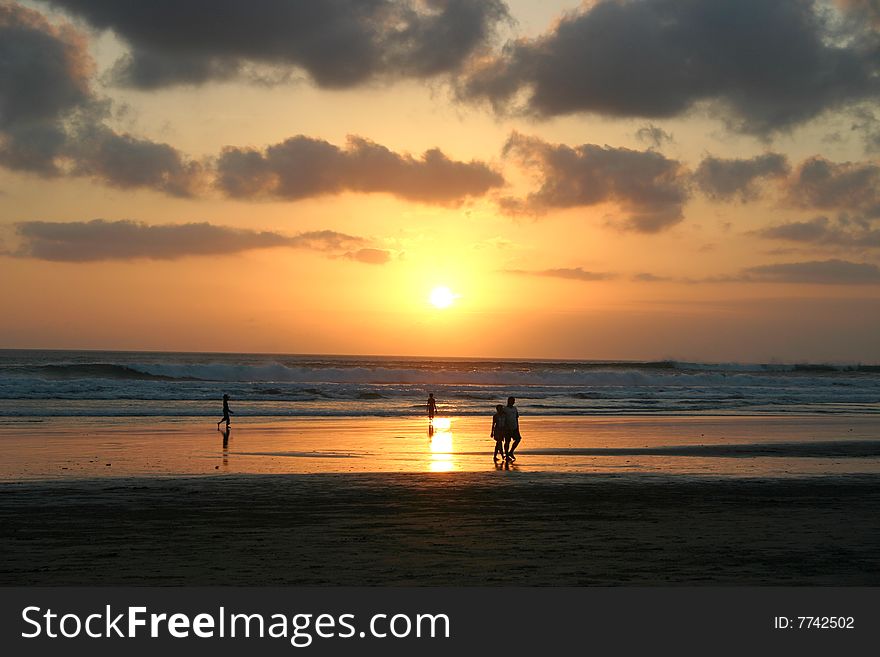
(442, 297)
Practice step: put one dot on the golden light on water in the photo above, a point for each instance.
(442, 424)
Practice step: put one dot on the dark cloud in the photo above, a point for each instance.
(339, 43)
(44, 77)
(821, 231)
(301, 167)
(762, 66)
(846, 186)
(44, 70)
(729, 179)
(128, 162)
(654, 136)
(821, 272)
(648, 187)
(52, 124)
(97, 240)
(576, 274)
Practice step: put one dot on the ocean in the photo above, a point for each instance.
(132, 384)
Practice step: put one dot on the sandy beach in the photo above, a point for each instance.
(373, 501)
(442, 529)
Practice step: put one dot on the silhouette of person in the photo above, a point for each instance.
(226, 413)
(498, 431)
(511, 428)
(432, 406)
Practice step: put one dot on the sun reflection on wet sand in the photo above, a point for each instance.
(442, 459)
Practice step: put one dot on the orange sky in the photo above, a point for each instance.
(775, 270)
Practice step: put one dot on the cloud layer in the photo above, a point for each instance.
(762, 66)
(818, 272)
(338, 43)
(301, 167)
(51, 123)
(736, 179)
(649, 187)
(99, 240)
(571, 273)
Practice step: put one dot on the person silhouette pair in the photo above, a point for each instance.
(505, 430)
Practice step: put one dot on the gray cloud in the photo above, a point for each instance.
(51, 123)
(729, 179)
(128, 162)
(301, 167)
(339, 43)
(99, 240)
(576, 273)
(820, 272)
(821, 231)
(648, 187)
(44, 70)
(654, 136)
(762, 66)
(847, 186)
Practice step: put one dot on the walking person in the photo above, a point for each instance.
(511, 429)
(498, 431)
(226, 413)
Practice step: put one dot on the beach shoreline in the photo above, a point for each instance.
(381, 501)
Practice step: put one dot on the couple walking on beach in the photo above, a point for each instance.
(505, 428)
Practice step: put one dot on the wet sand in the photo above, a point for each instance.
(495, 528)
(378, 501)
(737, 446)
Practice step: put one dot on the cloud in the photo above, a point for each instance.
(128, 162)
(338, 43)
(822, 231)
(868, 126)
(44, 70)
(650, 188)
(302, 167)
(51, 123)
(99, 240)
(849, 186)
(729, 179)
(653, 136)
(820, 272)
(576, 274)
(645, 277)
(761, 66)
(370, 256)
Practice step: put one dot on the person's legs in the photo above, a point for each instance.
(516, 438)
(506, 446)
(499, 449)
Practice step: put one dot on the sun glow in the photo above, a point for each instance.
(442, 297)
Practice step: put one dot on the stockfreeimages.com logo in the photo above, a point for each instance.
(300, 629)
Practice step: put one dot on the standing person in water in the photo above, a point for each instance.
(226, 413)
(511, 428)
(432, 406)
(498, 431)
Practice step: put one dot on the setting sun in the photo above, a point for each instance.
(442, 297)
